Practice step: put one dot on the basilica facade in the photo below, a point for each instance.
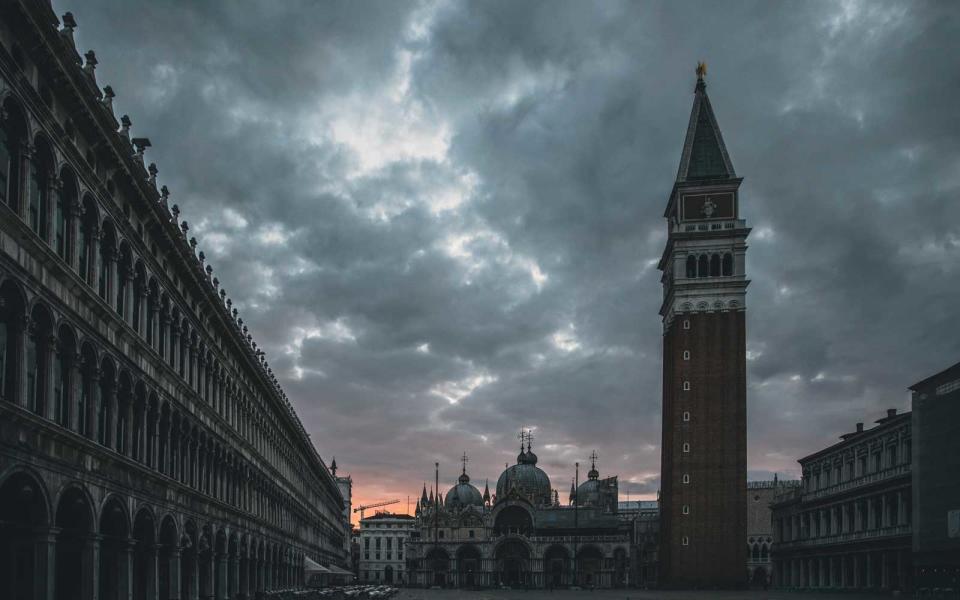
(146, 448)
(521, 535)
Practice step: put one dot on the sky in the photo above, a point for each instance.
(441, 220)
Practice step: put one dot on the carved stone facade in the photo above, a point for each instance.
(521, 536)
(146, 449)
(849, 524)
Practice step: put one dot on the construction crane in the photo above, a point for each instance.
(360, 509)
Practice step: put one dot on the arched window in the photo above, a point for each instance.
(38, 207)
(727, 264)
(63, 216)
(12, 136)
(62, 359)
(764, 555)
(703, 266)
(108, 248)
(691, 266)
(715, 265)
(37, 364)
(88, 233)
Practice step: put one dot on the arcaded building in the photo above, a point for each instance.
(849, 525)
(146, 449)
(521, 536)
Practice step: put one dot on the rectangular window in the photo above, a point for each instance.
(686, 386)
(686, 478)
(686, 447)
(686, 355)
(686, 323)
(440, 535)
(686, 509)
(686, 415)
(470, 533)
(685, 541)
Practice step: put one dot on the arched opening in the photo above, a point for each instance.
(23, 523)
(153, 306)
(513, 563)
(703, 266)
(138, 423)
(513, 520)
(715, 265)
(88, 238)
(108, 258)
(62, 367)
(11, 330)
(121, 435)
(589, 566)
(124, 278)
(74, 520)
(556, 565)
(38, 358)
(691, 266)
(169, 557)
(63, 208)
(438, 563)
(115, 534)
(468, 566)
(138, 297)
(233, 566)
(104, 397)
(144, 556)
(220, 565)
(40, 187)
(12, 144)
(205, 562)
(727, 264)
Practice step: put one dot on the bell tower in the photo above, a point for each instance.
(703, 504)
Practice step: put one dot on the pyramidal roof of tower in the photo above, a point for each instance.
(704, 153)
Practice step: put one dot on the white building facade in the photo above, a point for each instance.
(383, 539)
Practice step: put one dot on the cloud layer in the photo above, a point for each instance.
(441, 219)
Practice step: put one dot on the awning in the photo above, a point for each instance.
(338, 571)
(310, 567)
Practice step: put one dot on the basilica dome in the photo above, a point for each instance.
(528, 479)
(463, 494)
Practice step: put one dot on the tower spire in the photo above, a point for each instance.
(704, 155)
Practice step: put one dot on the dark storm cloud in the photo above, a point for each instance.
(441, 220)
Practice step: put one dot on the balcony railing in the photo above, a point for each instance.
(842, 538)
(861, 481)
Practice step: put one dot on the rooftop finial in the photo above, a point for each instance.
(464, 460)
(701, 70)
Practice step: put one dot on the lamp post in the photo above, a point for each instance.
(576, 524)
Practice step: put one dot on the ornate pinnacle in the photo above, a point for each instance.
(701, 70)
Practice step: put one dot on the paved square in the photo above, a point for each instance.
(422, 594)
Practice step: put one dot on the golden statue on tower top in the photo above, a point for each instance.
(701, 69)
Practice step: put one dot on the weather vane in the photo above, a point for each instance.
(701, 69)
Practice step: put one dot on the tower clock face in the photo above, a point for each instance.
(698, 207)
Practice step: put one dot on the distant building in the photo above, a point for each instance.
(522, 536)
(848, 526)
(345, 484)
(644, 516)
(383, 538)
(760, 496)
(936, 481)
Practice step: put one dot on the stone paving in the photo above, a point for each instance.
(421, 594)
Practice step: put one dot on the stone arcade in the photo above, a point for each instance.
(146, 449)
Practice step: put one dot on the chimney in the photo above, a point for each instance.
(891, 413)
(859, 427)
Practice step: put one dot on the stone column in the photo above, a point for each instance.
(44, 563)
(884, 571)
(93, 402)
(125, 579)
(128, 293)
(73, 243)
(141, 326)
(93, 262)
(222, 581)
(48, 385)
(111, 287)
(174, 585)
(153, 572)
(113, 405)
(901, 517)
(90, 575)
(175, 346)
(195, 580)
(233, 589)
(76, 381)
(884, 521)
